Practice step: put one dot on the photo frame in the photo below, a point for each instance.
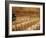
(24, 18)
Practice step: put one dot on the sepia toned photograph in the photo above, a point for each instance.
(24, 19)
